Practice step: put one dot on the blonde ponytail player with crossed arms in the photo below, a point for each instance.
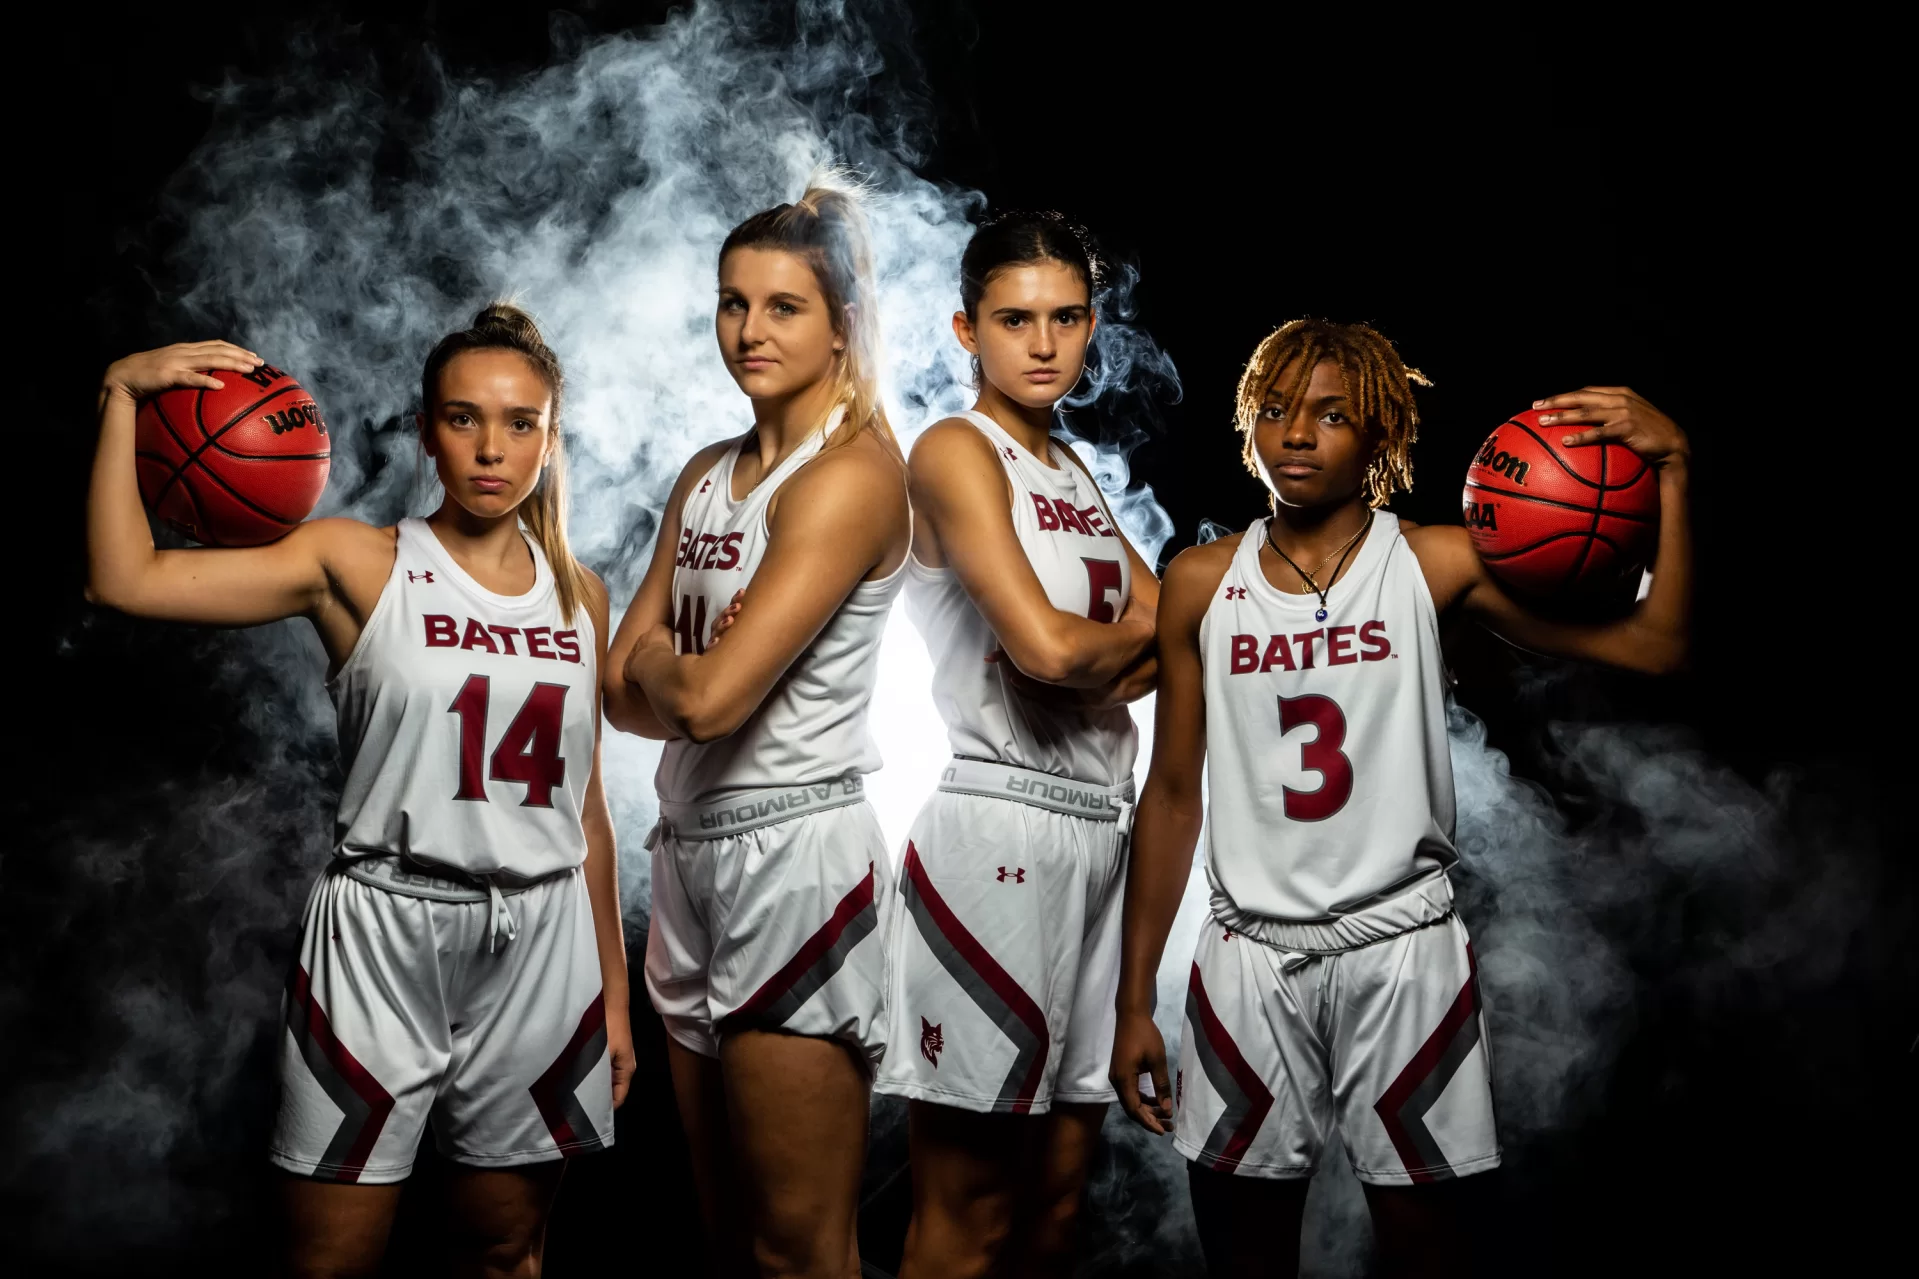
(770, 874)
(461, 960)
(1334, 993)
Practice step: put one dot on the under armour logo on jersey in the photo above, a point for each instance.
(1011, 455)
(425, 576)
(1235, 592)
(1018, 873)
(932, 1042)
(706, 484)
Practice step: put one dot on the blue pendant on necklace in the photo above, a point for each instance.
(1320, 615)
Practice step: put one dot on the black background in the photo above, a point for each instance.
(1703, 213)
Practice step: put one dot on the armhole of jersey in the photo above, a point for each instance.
(1419, 573)
(381, 607)
(1206, 618)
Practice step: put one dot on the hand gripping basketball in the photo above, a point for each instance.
(1571, 515)
(228, 461)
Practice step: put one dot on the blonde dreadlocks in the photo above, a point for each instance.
(1379, 384)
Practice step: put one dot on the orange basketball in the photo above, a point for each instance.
(235, 467)
(1561, 522)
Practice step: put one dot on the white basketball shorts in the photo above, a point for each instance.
(398, 1014)
(765, 921)
(1004, 956)
(1385, 1043)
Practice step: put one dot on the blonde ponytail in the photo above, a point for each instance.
(827, 228)
(501, 326)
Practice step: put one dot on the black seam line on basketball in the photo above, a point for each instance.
(1550, 537)
(1599, 507)
(293, 457)
(1602, 486)
(199, 420)
(186, 452)
(1553, 501)
(242, 499)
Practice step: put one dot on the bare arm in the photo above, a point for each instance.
(1655, 637)
(1165, 830)
(603, 884)
(330, 570)
(626, 706)
(839, 518)
(959, 490)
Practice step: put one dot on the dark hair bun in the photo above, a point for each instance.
(1021, 237)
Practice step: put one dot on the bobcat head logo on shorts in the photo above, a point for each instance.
(932, 1042)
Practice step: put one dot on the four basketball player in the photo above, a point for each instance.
(462, 959)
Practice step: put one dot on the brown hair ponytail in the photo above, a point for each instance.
(826, 227)
(501, 326)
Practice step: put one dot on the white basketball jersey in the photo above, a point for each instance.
(812, 725)
(467, 720)
(1074, 546)
(1329, 781)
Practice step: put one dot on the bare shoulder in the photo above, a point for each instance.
(947, 442)
(1195, 574)
(858, 478)
(703, 461)
(1446, 558)
(345, 543)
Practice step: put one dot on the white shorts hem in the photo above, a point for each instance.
(1402, 1177)
(960, 1100)
(517, 1158)
(313, 1169)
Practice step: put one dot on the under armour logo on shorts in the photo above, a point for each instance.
(1018, 873)
(932, 1042)
(1235, 592)
(426, 576)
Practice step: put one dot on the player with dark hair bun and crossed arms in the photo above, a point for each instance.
(1334, 989)
(461, 959)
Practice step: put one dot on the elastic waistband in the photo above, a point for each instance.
(1426, 902)
(1041, 790)
(743, 811)
(409, 878)
(403, 875)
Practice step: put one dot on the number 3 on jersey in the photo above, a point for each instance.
(529, 750)
(1320, 755)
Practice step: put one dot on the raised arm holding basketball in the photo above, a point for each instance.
(1654, 637)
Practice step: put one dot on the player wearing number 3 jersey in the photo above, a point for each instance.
(461, 961)
(1038, 617)
(1334, 990)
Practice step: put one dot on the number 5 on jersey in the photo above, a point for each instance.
(529, 750)
(1320, 754)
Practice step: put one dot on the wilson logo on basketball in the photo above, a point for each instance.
(295, 417)
(1498, 460)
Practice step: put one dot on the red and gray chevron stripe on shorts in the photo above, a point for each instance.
(813, 965)
(1232, 1077)
(351, 1086)
(1404, 1105)
(984, 981)
(555, 1092)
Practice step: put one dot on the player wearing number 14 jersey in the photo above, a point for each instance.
(1334, 991)
(461, 961)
